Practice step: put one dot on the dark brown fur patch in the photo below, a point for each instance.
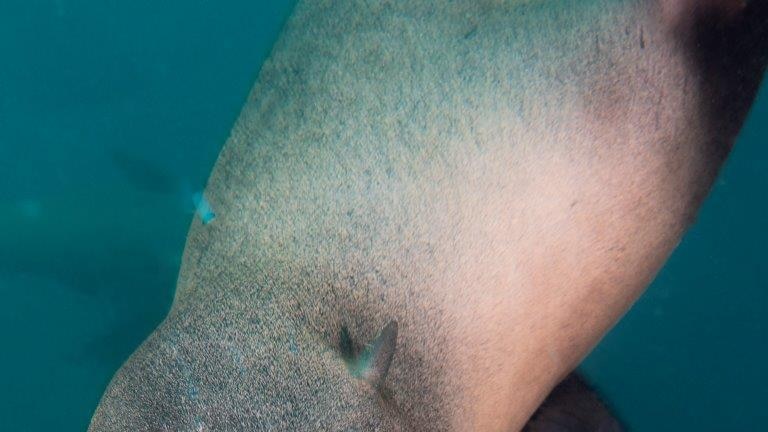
(573, 407)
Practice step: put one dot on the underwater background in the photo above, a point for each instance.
(112, 114)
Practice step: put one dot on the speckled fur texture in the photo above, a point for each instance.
(501, 177)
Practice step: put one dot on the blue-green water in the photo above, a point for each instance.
(111, 112)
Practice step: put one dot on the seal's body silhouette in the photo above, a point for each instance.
(418, 193)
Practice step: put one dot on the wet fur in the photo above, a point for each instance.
(486, 173)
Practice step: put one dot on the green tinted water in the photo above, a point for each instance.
(90, 260)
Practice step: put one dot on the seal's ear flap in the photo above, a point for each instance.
(372, 364)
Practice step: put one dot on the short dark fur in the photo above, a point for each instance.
(453, 167)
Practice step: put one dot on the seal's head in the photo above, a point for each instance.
(180, 380)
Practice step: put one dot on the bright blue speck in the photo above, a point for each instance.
(203, 208)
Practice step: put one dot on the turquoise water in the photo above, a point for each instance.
(111, 116)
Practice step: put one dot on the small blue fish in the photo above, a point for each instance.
(203, 208)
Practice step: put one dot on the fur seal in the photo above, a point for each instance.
(429, 212)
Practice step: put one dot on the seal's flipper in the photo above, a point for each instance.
(373, 363)
(573, 407)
